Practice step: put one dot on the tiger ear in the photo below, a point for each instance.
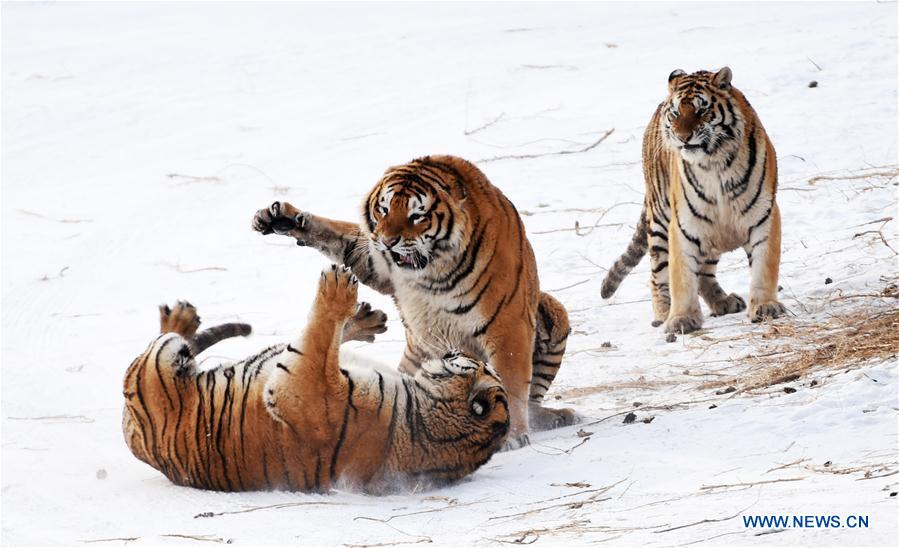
(722, 78)
(674, 75)
(459, 192)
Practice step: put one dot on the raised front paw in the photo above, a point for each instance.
(279, 218)
(728, 305)
(182, 319)
(337, 291)
(365, 324)
(766, 311)
(683, 324)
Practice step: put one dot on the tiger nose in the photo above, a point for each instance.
(390, 242)
(684, 136)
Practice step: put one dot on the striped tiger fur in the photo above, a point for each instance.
(295, 417)
(452, 251)
(711, 171)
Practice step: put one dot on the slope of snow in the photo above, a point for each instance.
(138, 140)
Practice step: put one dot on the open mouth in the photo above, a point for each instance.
(412, 260)
(692, 147)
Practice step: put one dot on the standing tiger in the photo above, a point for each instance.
(451, 250)
(295, 417)
(711, 172)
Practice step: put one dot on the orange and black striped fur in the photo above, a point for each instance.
(299, 417)
(452, 251)
(711, 175)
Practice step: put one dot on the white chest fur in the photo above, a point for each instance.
(432, 327)
(720, 202)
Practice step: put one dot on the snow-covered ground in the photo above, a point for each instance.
(138, 140)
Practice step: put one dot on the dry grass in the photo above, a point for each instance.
(845, 341)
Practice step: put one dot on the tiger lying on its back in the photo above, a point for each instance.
(292, 418)
(451, 250)
(711, 172)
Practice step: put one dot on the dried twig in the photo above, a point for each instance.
(59, 276)
(869, 175)
(748, 484)
(419, 541)
(269, 507)
(710, 520)
(182, 270)
(572, 505)
(562, 451)
(788, 465)
(54, 418)
(400, 531)
(544, 67)
(64, 221)
(191, 179)
(568, 286)
(554, 153)
(431, 510)
(204, 538)
(882, 239)
(577, 227)
(485, 126)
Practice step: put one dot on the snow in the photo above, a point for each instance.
(138, 140)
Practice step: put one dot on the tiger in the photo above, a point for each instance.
(451, 250)
(301, 416)
(710, 171)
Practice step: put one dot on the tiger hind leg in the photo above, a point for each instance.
(309, 373)
(182, 319)
(718, 301)
(549, 346)
(658, 262)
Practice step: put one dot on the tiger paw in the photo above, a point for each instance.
(182, 319)
(364, 324)
(548, 418)
(766, 311)
(337, 292)
(511, 444)
(279, 218)
(683, 324)
(728, 305)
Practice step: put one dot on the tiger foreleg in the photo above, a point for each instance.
(549, 347)
(719, 302)
(685, 315)
(511, 356)
(764, 264)
(341, 242)
(364, 324)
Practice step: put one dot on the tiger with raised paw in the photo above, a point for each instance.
(711, 178)
(451, 250)
(301, 416)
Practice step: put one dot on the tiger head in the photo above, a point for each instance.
(701, 121)
(413, 219)
(471, 404)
